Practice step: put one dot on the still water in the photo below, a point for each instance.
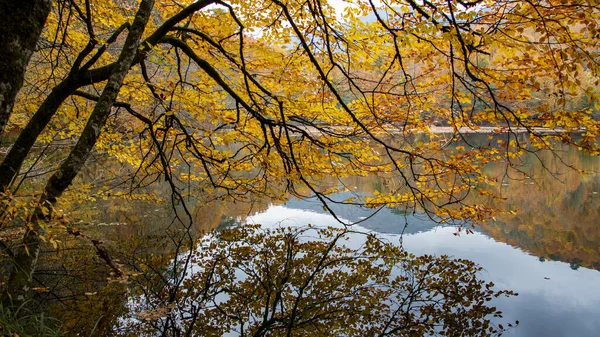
(548, 253)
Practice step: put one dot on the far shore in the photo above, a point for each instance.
(433, 129)
(495, 129)
(450, 130)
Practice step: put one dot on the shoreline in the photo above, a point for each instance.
(432, 129)
(499, 130)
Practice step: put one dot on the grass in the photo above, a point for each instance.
(21, 322)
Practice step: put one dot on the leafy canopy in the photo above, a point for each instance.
(253, 95)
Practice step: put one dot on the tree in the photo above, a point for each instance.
(21, 25)
(256, 95)
(19, 283)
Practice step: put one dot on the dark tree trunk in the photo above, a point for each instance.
(20, 282)
(11, 164)
(18, 152)
(21, 23)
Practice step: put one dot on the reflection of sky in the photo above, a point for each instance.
(386, 221)
(553, 300)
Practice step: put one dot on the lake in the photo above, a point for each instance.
(548, 253)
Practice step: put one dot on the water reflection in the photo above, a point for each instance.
(386, 220)
(554, 300)
(547, 252)
(557, 210)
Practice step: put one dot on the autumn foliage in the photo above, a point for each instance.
(230, 99)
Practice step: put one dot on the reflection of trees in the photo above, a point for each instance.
(557, 210)
(554, 220)
(71, 282)
(306, 282)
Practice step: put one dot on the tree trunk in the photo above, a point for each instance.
(21, 24)
(18, 152)
(20, 282)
